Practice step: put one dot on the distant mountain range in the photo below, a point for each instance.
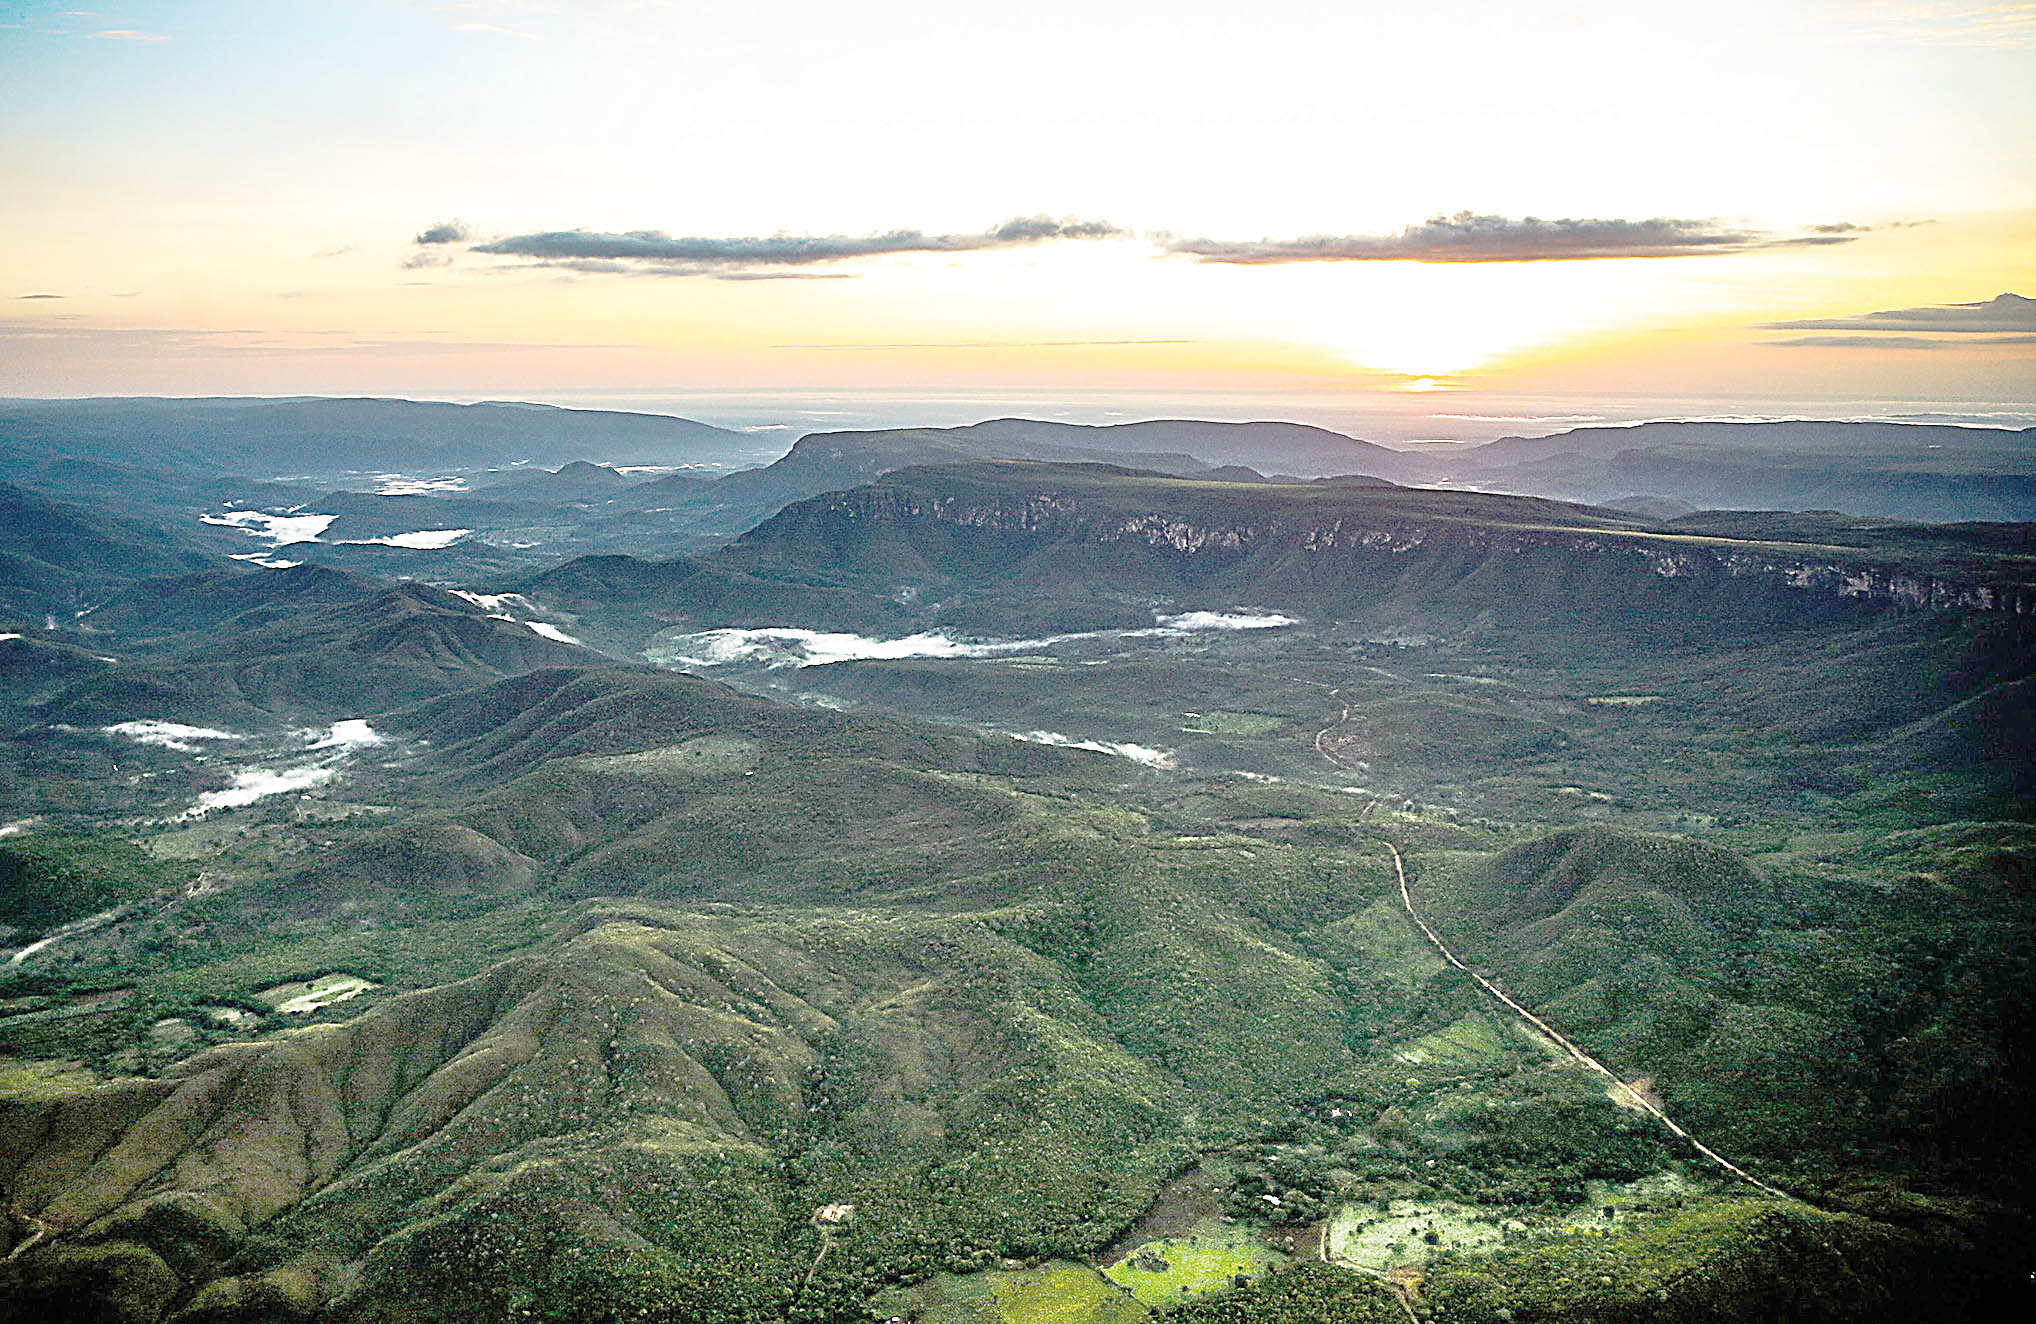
(1899, 470)
(331, 436)
(142, 455)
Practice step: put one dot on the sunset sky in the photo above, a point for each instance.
(1396, 214)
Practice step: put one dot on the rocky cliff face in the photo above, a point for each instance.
(1373, 531)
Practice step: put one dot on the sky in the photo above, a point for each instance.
(1434, 220)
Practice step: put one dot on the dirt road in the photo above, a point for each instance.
(1633, 1096)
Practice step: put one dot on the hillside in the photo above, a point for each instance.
(1904, 471)
(58, 557)
(1294, 448)
(302, 653)
(1073, 539)
(270, 438)
(832, 461)
(1862, 444)
(1012, 869)
(1655, 953)
(821, 958)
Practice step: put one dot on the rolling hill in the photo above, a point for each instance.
(1036, 952)
(60, 558)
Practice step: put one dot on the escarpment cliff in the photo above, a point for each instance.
(1344, 546)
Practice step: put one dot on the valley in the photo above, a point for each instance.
(1135, 895)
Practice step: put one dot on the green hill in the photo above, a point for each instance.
(1068, 541)
(60, 558)
(935, 983)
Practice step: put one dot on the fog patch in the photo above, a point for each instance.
(411, 485)
(551, 632)
(334, 745)
(1145, 754)
(423, 540)
(492, 602)
(169, 735)
(789, 646)
(1193, 622)
(281, 529)
(348, 735)
(252, 784)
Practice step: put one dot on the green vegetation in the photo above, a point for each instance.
(641, 970)
(1412, 1232)
(1052, 1293)
(1211, 1258)
(1305, 1294)
(49, 879)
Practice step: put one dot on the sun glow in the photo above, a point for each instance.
(1436, 323)
(170, 288)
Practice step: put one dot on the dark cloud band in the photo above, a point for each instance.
(445, 232)
(656, 251)
(1900, 342)
(1468, 237)
(1465, 237)
(2002, 313)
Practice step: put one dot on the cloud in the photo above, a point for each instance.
(1465, 237)
(608, 267)
(656, 252)
(445, 232)
(1468, 237)
(156, 341)
(38, 296)
(129, 34)
(2002, 313)
(1903, 342)
(432, 242)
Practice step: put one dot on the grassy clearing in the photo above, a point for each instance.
(47, 1078)
(1379, 941)
(1238, 724)
(1054, 1293)
(1064, 1294)
(315, 994)
(1410, 1232)
(1469, 1042)
(1208, 1260)
(703, 756)
(1611, 1201)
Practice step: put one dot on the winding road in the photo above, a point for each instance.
(1323, 735)
(1635, 1097)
